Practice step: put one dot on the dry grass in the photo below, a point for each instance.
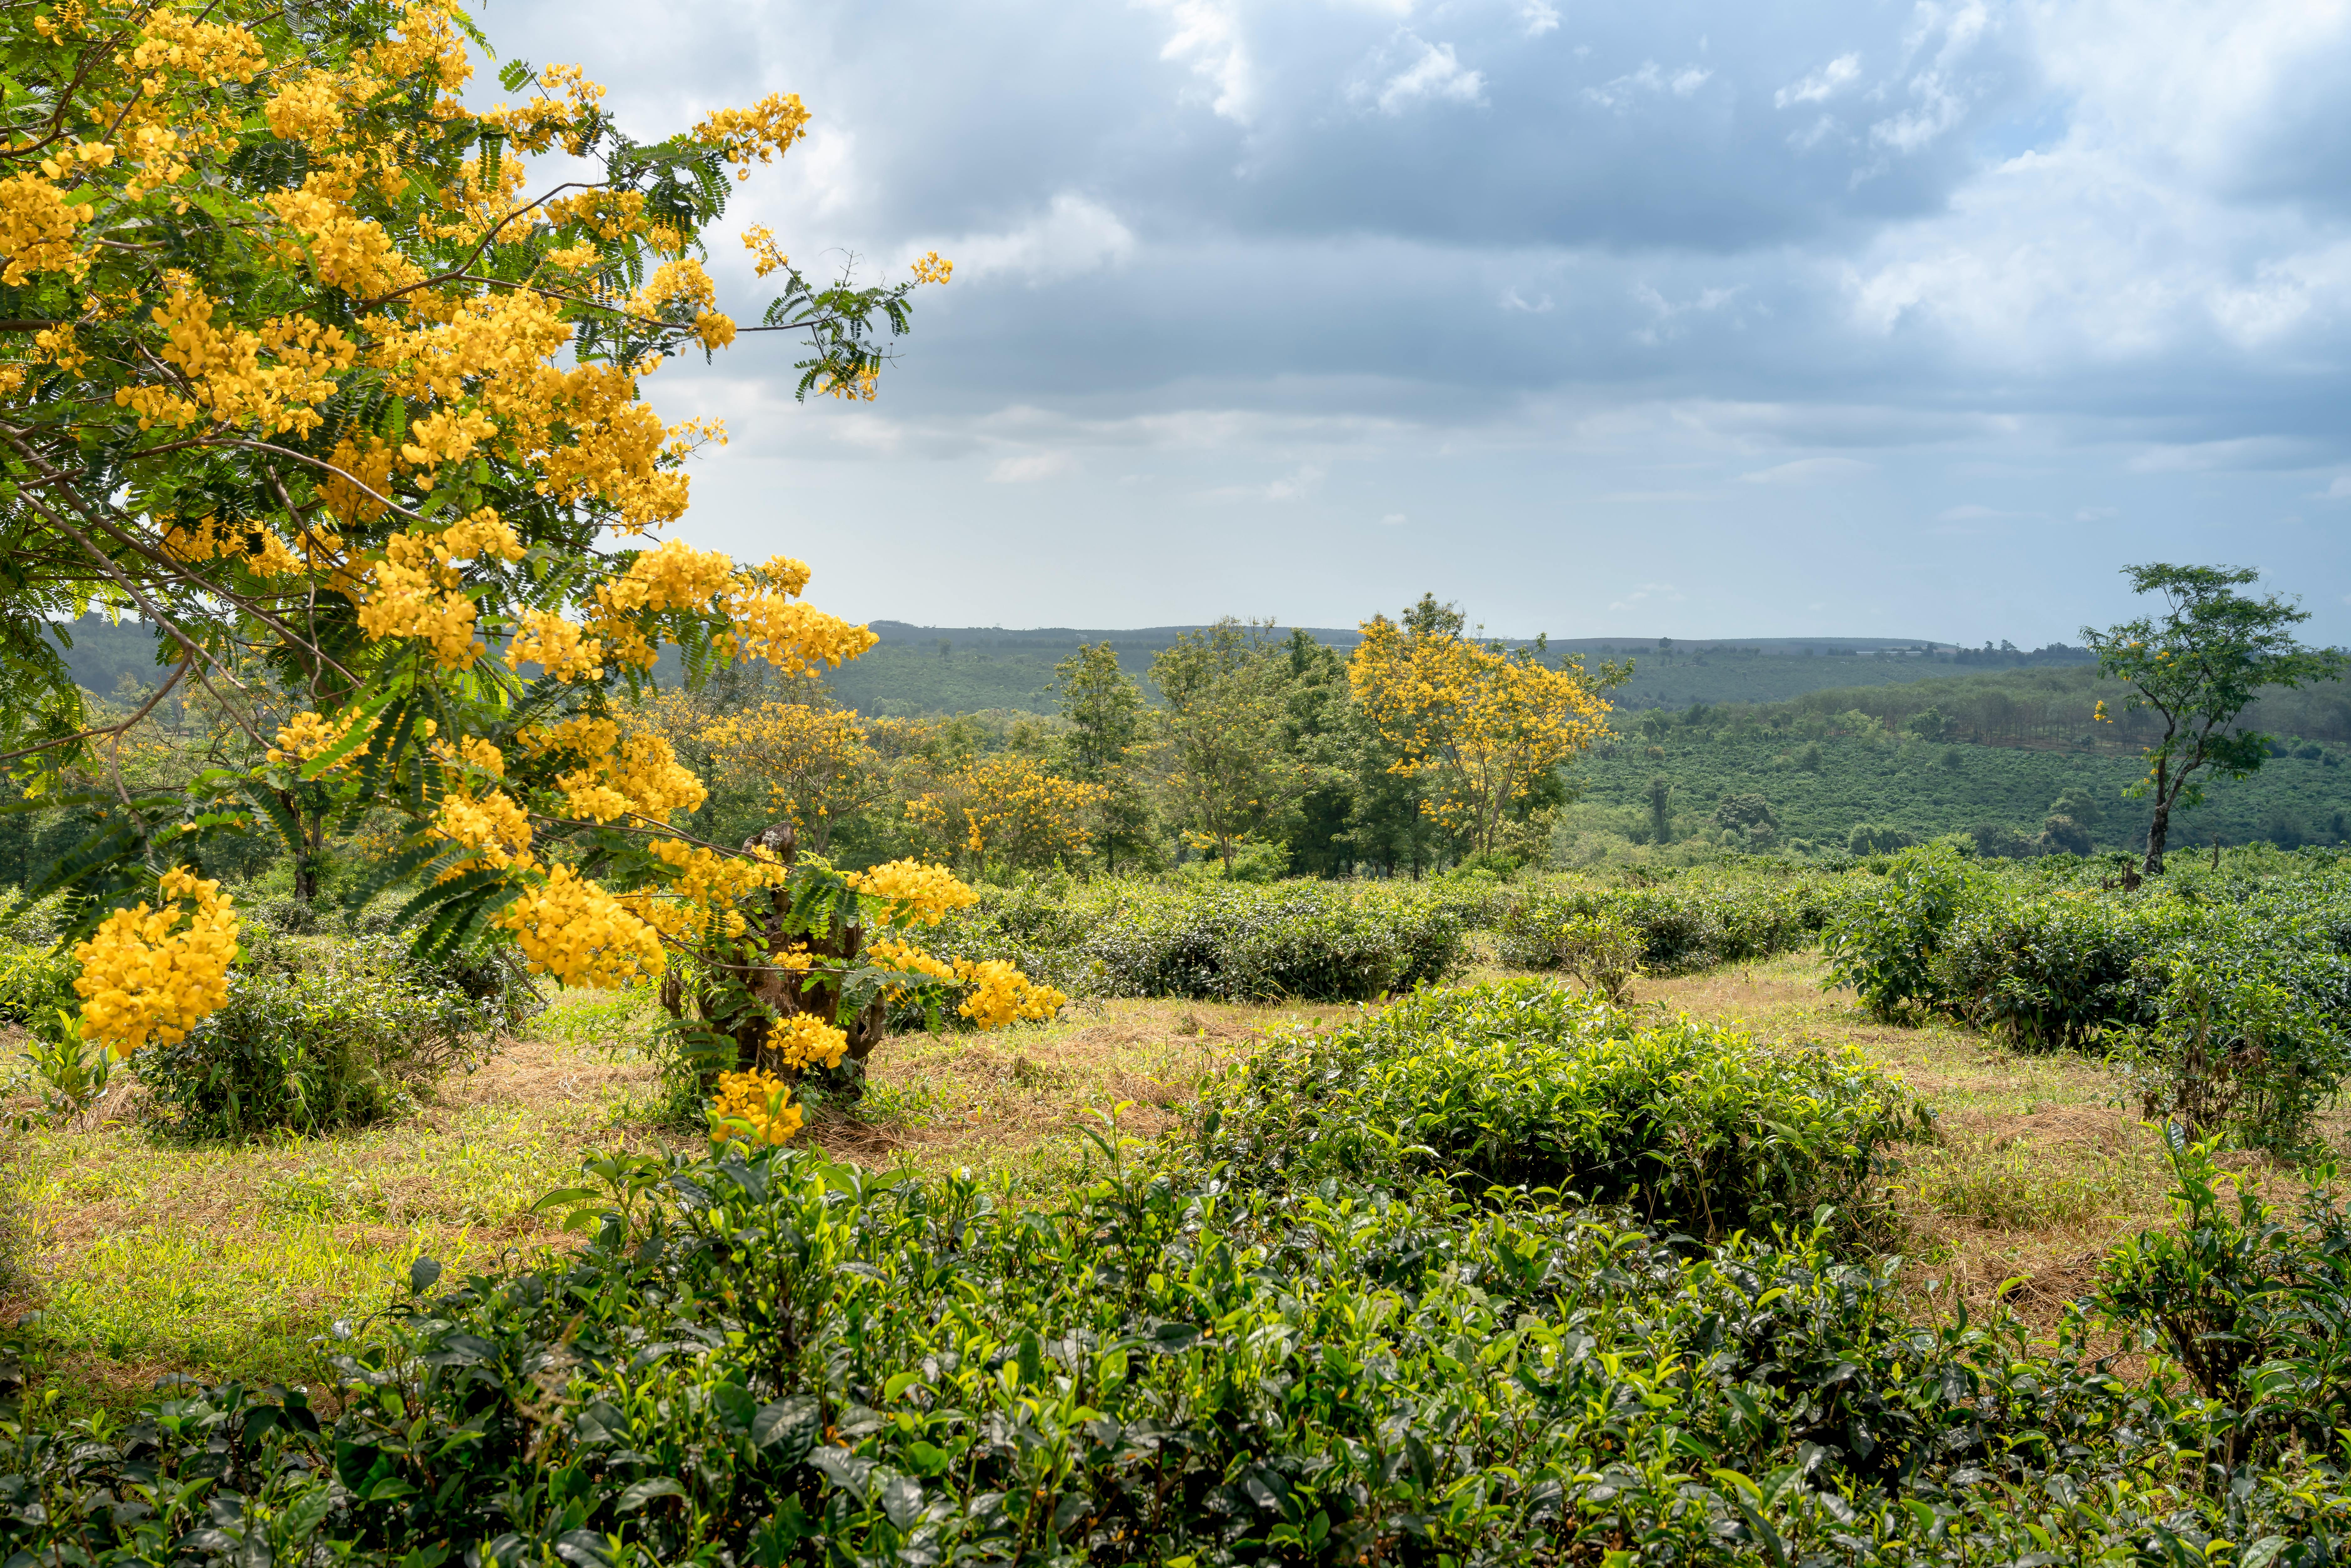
(143, 1257)
(2041, 1167)
(1014, 1103)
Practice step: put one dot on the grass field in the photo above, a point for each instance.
(139, 1257)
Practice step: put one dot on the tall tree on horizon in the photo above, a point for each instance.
(1107, 716)
(2198, 665)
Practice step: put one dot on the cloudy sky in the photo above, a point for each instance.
(1852, 316)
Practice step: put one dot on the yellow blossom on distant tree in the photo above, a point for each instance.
(1479, 724)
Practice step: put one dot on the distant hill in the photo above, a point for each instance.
(918, 670)
(962, 669)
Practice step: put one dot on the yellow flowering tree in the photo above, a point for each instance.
(1004, 812)
(322, 373)
(801, 981)
(1479, 724)
(812, 762)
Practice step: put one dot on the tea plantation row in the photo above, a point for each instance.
(1344, 1320)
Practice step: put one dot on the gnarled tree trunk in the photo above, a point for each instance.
(788, 991)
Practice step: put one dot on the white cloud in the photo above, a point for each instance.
(1073, 235)
(1651, 77)
(2338, 491)
(1294, 485)
(1541, 17)
(2204, 456)
(1436, 75)
(1809, 471)
(1972, 513)
(1028, 470)
(1395, 520)
(1539, 306)
(1663, 311)
(1823, 84)
(2097, 514)
(1208, 36)
(1662, 592)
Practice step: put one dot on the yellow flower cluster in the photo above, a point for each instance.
(36, 229)
(914, 893)
(566, 650)
(791, 636)
(471, 751)
(1002, 995)
(934, 268)
(800, 1040)
(889, 953)
(308, 735)
(148, 979)
(418, 593)
(574, 930)
(270, 379)
(213, 51)
(753, 1107)
(640, 776)
(492, 826)
(763, 132)
(1006, 809)
(760, 241)
(700, 901)
(674, 576)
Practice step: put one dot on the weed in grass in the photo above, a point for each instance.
(2005, 1184)
(903, 1103)
(615, 1022)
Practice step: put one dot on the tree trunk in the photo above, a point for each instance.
(788, 992)
(2160, 830)
(311, 828)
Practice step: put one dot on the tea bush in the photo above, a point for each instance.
(2257, 1308)
(766, 1359)
(1684, 925)
(2228, 991)
(1220, 941)
(1886, 938)
(1526, 1084)
(34, 982)
(317, 1033)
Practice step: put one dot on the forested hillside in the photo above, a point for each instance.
(916, 671)
(1757, 790)
(919, 670)
(1751, 744)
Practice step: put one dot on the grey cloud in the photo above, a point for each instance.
(1571, 271)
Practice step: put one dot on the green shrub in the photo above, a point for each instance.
(1238, 944)
(2258, 1310)
(34, 982)
(317, 1033)
(1693, 922)
(34, 925)
(2053, 972)
(1884, 942)
(2233, 1049)
(2224, 993)
(769, 1360)
(1527, 1083)
(1311, 941)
